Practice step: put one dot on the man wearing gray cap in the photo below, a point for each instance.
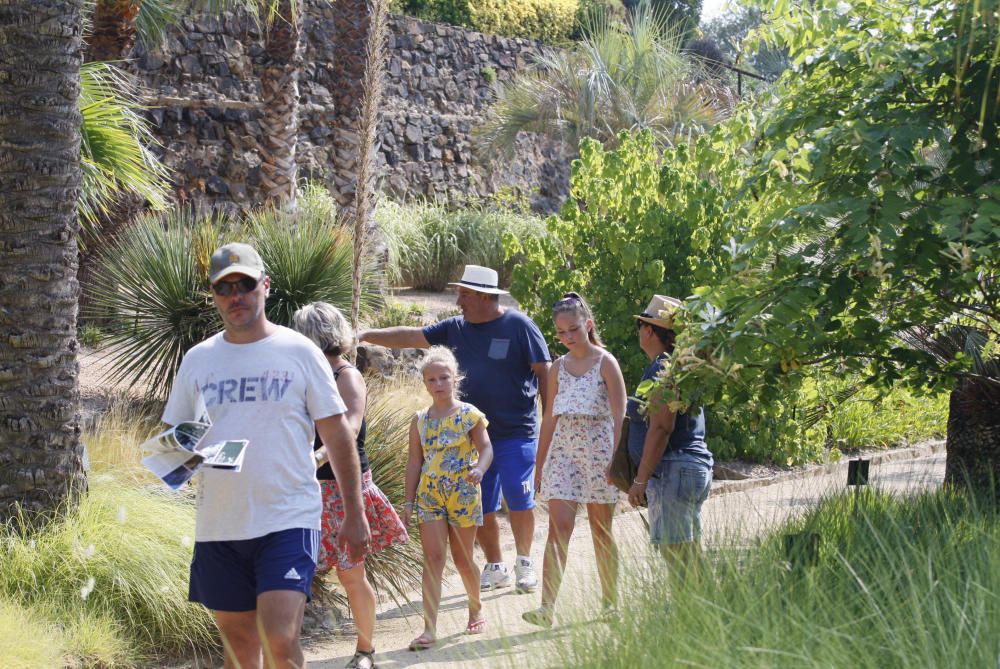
(256, 531)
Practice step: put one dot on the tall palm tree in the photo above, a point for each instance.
(40, 176)
(618, 77)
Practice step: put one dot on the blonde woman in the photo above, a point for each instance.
(326, 326)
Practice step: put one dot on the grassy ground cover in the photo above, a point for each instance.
(896, 583)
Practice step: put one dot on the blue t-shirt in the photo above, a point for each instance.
(687, 441)
(496, 359)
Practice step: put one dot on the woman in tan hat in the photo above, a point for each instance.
(674, 463)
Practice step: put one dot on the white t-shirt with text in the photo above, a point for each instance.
(269, 392)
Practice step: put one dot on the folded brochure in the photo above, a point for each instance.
(176, 454)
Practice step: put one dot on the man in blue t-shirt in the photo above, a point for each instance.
(504, 357)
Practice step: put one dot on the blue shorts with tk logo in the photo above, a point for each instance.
(513, 472)
(229, 575)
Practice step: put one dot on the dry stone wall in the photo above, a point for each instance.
(439, 84)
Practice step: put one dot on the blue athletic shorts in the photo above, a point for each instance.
(513, 472)
(229, 575)
(675, 498)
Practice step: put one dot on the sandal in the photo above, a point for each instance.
(423, 642)
(542, 616)
(476, 626)
(362, 660)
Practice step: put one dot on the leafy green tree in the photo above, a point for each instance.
(629, 76)
(873, 244)
(633, 227)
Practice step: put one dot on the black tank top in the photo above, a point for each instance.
(325, 473)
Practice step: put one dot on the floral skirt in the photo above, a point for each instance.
(578, 457)
(386, 527)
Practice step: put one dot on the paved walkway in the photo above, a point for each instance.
(736, 512)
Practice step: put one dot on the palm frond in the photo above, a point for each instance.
(618, 77)
(115, 145)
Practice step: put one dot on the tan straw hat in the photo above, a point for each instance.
(660, 311)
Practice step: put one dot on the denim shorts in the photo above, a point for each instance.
(513, 472)
(229, 575)
(675, 498)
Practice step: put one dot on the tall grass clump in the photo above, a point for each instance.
(396, 571)
(29, 640)
(428, 244)
(113, 572)
(897, 582)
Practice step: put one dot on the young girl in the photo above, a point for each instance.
(579, 428)
(449, 453)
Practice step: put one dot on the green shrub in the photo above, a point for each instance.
(549, 21)
(428, 244)
(899, 583)
(453, 12)
(89, 335)
(394, 313)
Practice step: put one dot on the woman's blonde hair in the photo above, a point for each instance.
(442, 355)
(326, 325)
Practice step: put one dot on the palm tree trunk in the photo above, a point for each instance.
(973, 443)
(279, 81)
(114, 30)
(40, 448)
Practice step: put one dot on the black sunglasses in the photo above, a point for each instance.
(242, 287)
(638, 323)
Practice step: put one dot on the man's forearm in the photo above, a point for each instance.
(394, 337)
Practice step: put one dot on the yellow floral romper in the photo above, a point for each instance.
(444, 491)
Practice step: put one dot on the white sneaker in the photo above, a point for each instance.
(495, 575)
(524, 575)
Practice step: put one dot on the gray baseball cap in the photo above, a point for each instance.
(235, 258)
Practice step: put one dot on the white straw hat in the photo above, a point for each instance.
(479, 279)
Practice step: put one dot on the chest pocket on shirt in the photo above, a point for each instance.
(498, 349)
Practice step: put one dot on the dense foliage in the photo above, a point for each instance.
(642, 222)
(551, 21)
(874, 230)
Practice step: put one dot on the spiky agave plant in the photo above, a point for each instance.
(149, 290)
(309, 257)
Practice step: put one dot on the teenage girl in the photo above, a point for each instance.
(449, 453)
(579, 430)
